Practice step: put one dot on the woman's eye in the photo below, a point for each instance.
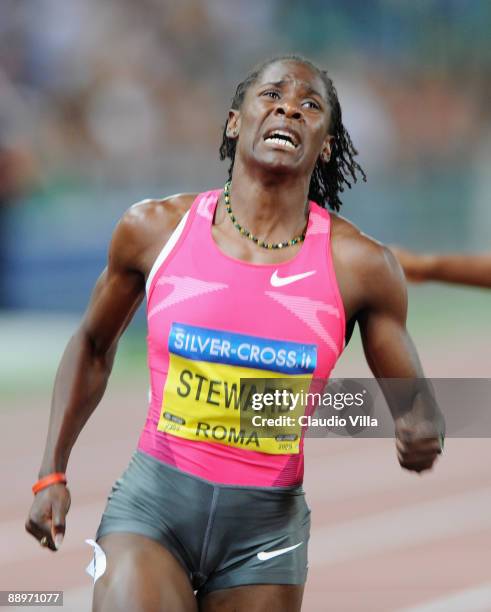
(272, 94)
(312, 104)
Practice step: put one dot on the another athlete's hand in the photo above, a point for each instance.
(415, 265)
(47, 515)
(418, 448)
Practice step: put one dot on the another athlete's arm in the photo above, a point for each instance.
(464, 269)
(391, 354)
(87, 361)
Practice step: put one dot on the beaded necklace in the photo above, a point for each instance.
(248, 234)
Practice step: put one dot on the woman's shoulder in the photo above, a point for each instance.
(359, 251)
(164, 211)
(146, 226)
(156, 216)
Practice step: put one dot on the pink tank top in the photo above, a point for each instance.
(214, 320)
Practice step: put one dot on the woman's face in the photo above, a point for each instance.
(284, 120)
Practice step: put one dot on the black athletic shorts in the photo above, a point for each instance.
(224, 536)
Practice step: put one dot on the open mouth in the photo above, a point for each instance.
(282, 138)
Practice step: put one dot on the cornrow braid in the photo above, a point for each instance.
(328, 179)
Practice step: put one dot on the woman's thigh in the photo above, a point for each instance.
(141, 576)
(254, 598)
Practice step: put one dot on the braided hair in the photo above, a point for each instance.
(328, 178)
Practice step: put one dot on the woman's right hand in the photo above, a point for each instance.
(47, 515)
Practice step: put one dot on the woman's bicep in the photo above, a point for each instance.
(115, 298)
(119, 290)
(388, 347)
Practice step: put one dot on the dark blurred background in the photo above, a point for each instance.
(106, 103)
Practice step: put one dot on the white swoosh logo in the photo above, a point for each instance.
(280, 281)
(98, 564)
(264, 556)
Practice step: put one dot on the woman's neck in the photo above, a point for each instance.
(272, 207)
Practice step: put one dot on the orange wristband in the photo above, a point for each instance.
(48, 480)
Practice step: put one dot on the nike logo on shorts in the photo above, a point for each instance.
(280, 281)
(264, 556)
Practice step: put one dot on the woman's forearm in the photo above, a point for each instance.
(80, 383)
(460, 268)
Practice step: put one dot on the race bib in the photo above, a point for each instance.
(213, 377)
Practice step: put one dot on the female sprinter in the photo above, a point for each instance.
(257, 277)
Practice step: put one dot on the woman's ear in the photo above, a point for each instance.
(327, 149)
(233, 123)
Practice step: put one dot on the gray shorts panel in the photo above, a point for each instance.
(215, 531)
